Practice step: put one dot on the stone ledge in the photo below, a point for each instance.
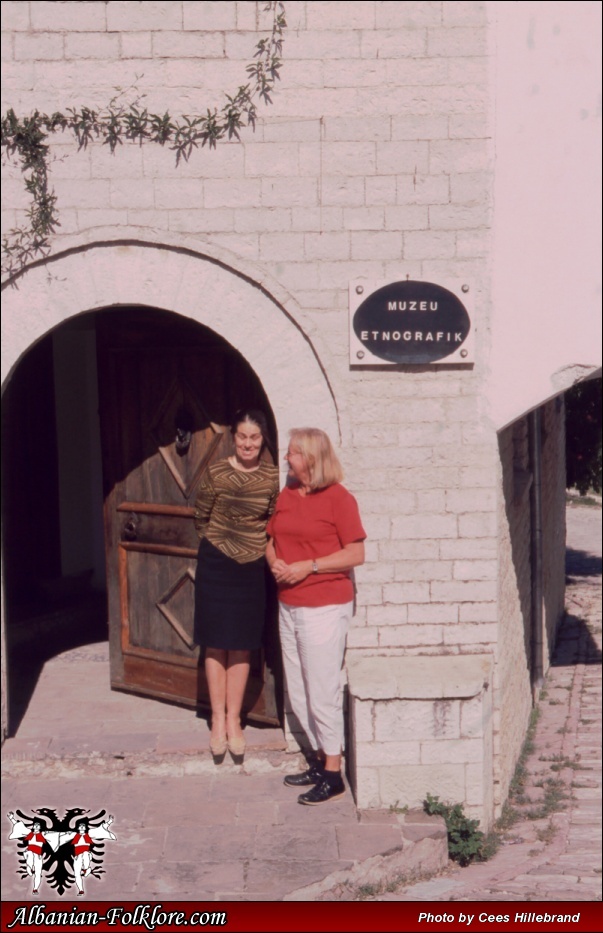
(416, 825)
(33, 759)
(418, 678)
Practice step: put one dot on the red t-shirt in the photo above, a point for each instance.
(313, 526)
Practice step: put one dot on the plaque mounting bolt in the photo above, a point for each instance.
(359, 289)
(360, 354)
(464, 288)
(464, 353)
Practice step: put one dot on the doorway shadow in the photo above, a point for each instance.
(38, 633)
(575, 643)
(582, 564)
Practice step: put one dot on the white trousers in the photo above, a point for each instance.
(313, 644)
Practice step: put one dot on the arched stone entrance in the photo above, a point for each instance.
(194, 287)
(266, 330)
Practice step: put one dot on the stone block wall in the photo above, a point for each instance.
(421, 726)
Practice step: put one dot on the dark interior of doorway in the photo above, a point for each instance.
(47, 613)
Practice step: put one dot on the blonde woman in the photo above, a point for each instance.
(315, 539)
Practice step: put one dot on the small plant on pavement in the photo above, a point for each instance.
(466, 843)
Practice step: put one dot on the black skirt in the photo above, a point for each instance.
(230, 601)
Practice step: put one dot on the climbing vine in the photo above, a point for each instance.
(27, 139)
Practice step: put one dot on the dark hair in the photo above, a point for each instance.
(257, 417)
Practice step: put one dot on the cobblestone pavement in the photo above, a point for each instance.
(552, 852)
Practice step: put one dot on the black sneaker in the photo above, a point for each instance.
(327, 789)
(313, 775)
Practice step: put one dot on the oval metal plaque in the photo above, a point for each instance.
(411, 322)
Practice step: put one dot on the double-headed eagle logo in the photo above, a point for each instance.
(62, 851)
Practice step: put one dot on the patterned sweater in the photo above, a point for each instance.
(233, 508)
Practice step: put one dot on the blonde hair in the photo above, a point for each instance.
(321, 461)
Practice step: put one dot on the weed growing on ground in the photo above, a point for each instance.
(465, 841)
(367, 890)
(554, 788)
(573, 765)
(554, 795)
(518, 780)
(560, 762)
(490, 846)
(394, 808)
(508, 817)
(363, 892)
(547, 834)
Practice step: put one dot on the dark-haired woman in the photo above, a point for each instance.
(235, 499)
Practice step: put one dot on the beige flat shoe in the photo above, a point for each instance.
(237, 745)
(218, 746)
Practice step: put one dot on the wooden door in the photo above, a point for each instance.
(168, 390)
